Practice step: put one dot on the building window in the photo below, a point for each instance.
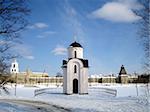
(75, 54)
(14, 65)
(75, 68)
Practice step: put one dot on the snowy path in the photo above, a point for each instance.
(11, 105)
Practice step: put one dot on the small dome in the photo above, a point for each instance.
(75, 44)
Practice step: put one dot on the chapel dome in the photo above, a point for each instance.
(75, 44)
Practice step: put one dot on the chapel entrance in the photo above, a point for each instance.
(75, 86)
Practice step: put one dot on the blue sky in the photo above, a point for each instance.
(105, 29)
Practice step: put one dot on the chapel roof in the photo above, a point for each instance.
(75, 44)
(84, 61)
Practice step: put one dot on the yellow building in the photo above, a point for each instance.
(28, 77)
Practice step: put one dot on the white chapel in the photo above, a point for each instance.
(75, 71)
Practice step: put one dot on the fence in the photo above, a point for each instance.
(93, 90)
(40, 91)
(112, 92)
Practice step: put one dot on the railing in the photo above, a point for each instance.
(106, 90)
(40, 91)
(112, 92)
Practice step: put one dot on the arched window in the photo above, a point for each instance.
(75, 54)
(75, 68)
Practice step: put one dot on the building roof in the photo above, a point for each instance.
(64, 62)
(122, 70)
(75, 44)
(84, 61)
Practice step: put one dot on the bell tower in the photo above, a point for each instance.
(75, 50)
(14, 67)
(123, 76)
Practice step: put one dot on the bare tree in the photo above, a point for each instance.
(13, 19)
(144, 34)
(144, 30)
(3, 82)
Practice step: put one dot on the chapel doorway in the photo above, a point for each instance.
(75, 86)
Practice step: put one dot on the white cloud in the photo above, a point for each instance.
(46, 34)
(132, 4)
(18, 49)
(2, 42)
(60, 50)
(118, 11)
(29, 57)
(23, 50)
(38, 26)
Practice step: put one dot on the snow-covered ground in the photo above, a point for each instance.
(101, 98)
(12, 105)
